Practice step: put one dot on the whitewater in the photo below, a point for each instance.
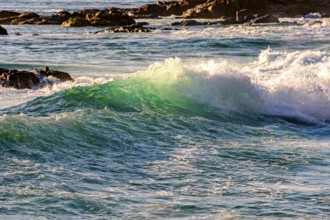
(203, 122)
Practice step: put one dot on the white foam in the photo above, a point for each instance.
(290, 84)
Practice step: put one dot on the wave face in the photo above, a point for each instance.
(286, 84)
(238, 136)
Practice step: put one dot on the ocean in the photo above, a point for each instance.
(204, 122)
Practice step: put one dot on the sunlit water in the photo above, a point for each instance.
(218, 122)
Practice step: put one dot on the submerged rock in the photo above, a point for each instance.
(3, 31)
(194, 23)
(31, 79)
(138, 28)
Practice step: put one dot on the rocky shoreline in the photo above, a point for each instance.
(228, 11)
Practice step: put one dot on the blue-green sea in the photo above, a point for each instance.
(204, 122)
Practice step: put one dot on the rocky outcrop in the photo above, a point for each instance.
(29, 18)
(109, 17)
(76, 22)
(138, 28)
(31, 79)
(233, 11)
(82, 18)
(160, 9)
(3, 31)
(229, 11)
(56, 19)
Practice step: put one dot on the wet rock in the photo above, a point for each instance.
(7, 20)
(126, 29)
(31, 79)
(94, 17)
(170, 29)
(62, 76)
(194, 23)
(76, 22)
(56, 19)
(233, 11)
(163, 8)
(29, 18)
(84, 13)
(230, 11)
(109, 17)
(7, 14)
(3, 31)
(19, 79)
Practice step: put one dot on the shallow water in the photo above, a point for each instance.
(227, 122)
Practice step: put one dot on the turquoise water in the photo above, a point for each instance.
(221, 122)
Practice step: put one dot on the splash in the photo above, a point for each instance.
(289, 84)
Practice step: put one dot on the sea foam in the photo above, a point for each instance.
(289, 84)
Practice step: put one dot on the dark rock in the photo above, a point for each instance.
(167, 8)
(62, 76)
(94, 17)
(143, 23)
(63, 15)
(170, 29)
(233, 11)
(7, 14)
(76, 22)
(56, 19)
(29, 18)
(230, 11)
(3, 70)
(31, 80)
(21, 80)
(186, 23)
(3, 31)
(85, 12)
(126, 29)
(194, 23)
(7, 20)
(109, 17)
